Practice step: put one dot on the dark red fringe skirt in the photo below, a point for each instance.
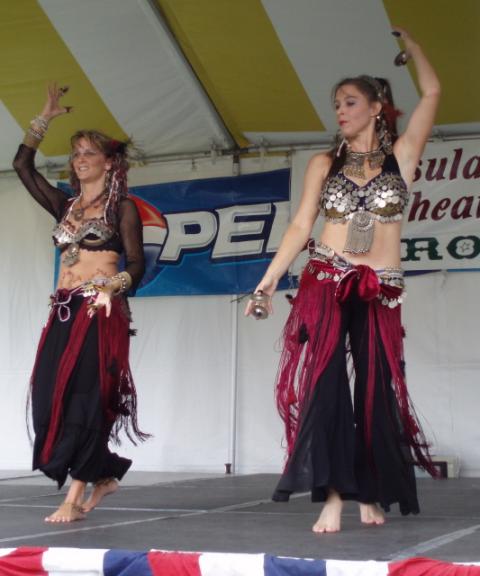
(345, 320)
(82, 390)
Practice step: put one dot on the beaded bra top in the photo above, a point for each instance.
(384, 196)
(92, 234)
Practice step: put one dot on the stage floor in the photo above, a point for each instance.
(234, 514)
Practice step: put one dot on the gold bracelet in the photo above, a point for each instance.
(40, 122)
(30, 140)
(36, 132)
(125, 282)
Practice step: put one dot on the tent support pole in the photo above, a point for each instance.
(232, 447)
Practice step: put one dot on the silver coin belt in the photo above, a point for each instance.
(61, 299)
(387, 276)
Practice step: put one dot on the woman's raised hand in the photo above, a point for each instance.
(402, 34)
(53, 107)
(398, 31)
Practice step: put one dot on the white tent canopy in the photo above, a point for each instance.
(186, 77)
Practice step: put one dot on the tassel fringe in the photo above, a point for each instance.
(311, 335)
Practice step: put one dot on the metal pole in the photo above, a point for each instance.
(230, 466)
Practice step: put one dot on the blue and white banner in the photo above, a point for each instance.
(211, 236)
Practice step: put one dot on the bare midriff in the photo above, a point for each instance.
(91, 264)
(385, 250)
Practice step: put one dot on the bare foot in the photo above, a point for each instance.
(100, 489)
(371, 514)
(330, 516)
(66, 512)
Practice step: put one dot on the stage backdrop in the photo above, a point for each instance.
(183, 358)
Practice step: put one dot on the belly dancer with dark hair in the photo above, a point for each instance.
(348, 303)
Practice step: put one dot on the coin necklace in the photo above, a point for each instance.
(79, 212)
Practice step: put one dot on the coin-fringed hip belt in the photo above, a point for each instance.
(386, 285)
(313, 331)
(117, 387)
(61, 300)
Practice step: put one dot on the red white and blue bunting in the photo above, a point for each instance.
(97, 562)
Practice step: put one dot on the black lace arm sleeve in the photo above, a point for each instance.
(131, 232)
(49, 197)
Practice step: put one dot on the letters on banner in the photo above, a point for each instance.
(442, 219)
(211, 236)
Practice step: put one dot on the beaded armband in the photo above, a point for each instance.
(36, 132)
(125, 282)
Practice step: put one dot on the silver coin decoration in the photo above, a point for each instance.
(69, 240)
(385, 197)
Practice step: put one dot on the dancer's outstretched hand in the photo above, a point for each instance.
(102, 299)
(268, 287)
(53, 106)
(402, 34)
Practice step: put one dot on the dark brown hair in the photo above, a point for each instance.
(375, 90)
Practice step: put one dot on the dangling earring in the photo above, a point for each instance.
(339, 143)
(108, 180)
(383, 134)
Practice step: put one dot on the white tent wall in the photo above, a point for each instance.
(26, 265)
(182, 356)
(441, 317)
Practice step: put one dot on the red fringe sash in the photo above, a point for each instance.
(117, 386)
(118, 392)
(311, 335)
